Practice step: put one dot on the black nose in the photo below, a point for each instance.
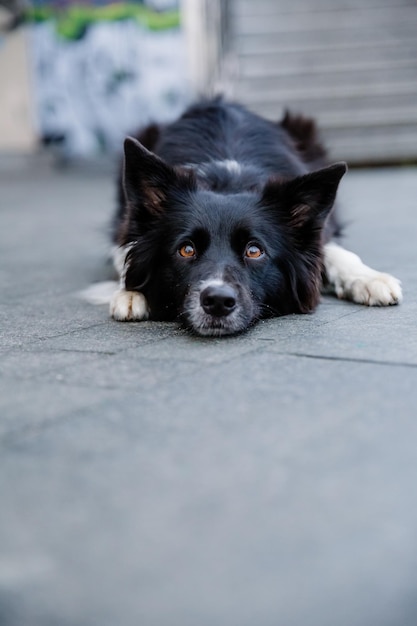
(218, 300)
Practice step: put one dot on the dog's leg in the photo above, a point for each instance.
(352, 280)
(126, 306)
(129, 306)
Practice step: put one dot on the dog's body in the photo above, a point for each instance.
(225, 217)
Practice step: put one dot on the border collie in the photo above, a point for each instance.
(225, 218)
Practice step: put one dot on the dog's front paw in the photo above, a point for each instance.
(129, 306)
(376, 290)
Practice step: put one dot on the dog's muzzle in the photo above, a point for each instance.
(216, 307)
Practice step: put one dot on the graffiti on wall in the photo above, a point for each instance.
(101, 70)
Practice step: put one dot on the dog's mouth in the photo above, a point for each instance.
(216, 308)
(216, 327)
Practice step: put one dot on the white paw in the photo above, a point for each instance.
(375, 289)
(351, 279)
(129, 306)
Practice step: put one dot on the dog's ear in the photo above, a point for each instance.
(306, 199)
(148, 180)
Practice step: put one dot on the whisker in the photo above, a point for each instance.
(269, 309)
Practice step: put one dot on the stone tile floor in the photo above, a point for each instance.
(152, 478)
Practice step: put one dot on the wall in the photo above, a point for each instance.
(99, 70)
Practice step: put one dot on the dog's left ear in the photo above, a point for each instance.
(305, 199)
(147, 179)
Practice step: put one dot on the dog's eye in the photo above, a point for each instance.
(253, 251)
(187, 251)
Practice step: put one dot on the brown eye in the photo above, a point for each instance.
(253, 251)
(187, 251)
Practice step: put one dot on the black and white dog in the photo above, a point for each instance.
(225, 217)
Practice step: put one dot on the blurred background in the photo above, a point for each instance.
(78, 75)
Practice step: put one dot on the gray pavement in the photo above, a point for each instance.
(151, 478)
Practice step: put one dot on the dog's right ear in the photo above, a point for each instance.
(148, 180)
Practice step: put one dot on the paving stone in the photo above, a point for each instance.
(151, 477)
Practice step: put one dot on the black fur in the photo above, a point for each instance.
(222, 181)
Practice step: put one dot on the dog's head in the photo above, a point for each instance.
(220, 261)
